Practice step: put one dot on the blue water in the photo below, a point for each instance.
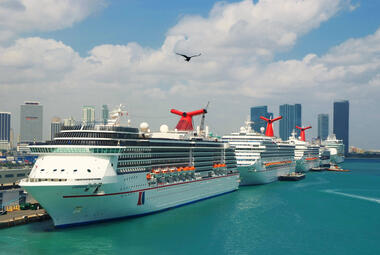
(326, 213)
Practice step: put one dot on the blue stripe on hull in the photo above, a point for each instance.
(138, 215)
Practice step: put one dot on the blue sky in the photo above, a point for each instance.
(268, 52)
(147, 22)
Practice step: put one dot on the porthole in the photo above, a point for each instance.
(42, 170)
(62, 170)
(54, 170)
(75, 170)
(89, 170)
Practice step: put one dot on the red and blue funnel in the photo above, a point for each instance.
(269, 131)
(303, 137)
(186, 121)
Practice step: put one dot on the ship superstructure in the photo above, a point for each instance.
(306, 154)
(96, 172)
(324, 156)
(336, 148)
(260, 158)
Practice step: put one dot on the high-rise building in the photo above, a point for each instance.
(5, 126)
(256, 112)
(88, 114)
(105, 114)
(291, 117)
(31, 122)
(69, 122)
(341, 122)
(323, 126)
(5, 130)
(55, 127)
(298, 117)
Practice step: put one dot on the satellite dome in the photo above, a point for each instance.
(164, 128)
(144, 127)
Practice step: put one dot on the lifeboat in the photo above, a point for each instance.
(164, 171)
(148, 176)
(192, 168)
(186, 168)
(172, 170)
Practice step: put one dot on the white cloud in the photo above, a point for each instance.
(236, 69)
(19, 16)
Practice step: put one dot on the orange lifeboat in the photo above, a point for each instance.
(148, 177)
(192, 168)
(186, 168)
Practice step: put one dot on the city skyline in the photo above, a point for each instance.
(81, 58)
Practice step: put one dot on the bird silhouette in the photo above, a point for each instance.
(187, 58)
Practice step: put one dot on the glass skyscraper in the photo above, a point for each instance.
(291, 117)
(105, 114)
(31, 122)
(5, 126)
(341, 122)
(55, 127)
(256, 112)
(323, 126)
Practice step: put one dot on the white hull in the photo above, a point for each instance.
(303, 165)
(72, 204)
(250, 175)
(336, 159)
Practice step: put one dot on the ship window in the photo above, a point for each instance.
(89, 170)
(62, 170)
(42, 170)
(75, 170)
(20, 175)
(8, 175)
(54, 170)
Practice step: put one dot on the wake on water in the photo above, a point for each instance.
(371, 199)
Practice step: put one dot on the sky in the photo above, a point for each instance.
(71, 53)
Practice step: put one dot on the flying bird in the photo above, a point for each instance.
(187, 58)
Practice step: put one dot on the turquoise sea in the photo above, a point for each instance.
(326, 213)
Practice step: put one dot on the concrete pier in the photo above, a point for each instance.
(22, 217)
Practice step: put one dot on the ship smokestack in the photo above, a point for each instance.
(269, 131)
(303, 137)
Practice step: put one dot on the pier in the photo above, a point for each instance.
(22, 217)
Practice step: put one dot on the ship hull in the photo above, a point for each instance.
(252, 175)
(70, 205)
(303, 165)
(336, 159)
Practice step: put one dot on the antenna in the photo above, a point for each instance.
(269, 131)
(202, 126)
(303, 132)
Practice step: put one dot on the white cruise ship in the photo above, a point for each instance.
(260, 159)
(324, 156)
(92, 173)
(306, 154)
(336, 148)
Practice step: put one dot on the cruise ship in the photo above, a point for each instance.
(306, 154)
(336, 148)
(260, 158)
(97, 172)
(324, 156)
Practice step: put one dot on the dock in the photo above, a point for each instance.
(291, 177)
(21, 217)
